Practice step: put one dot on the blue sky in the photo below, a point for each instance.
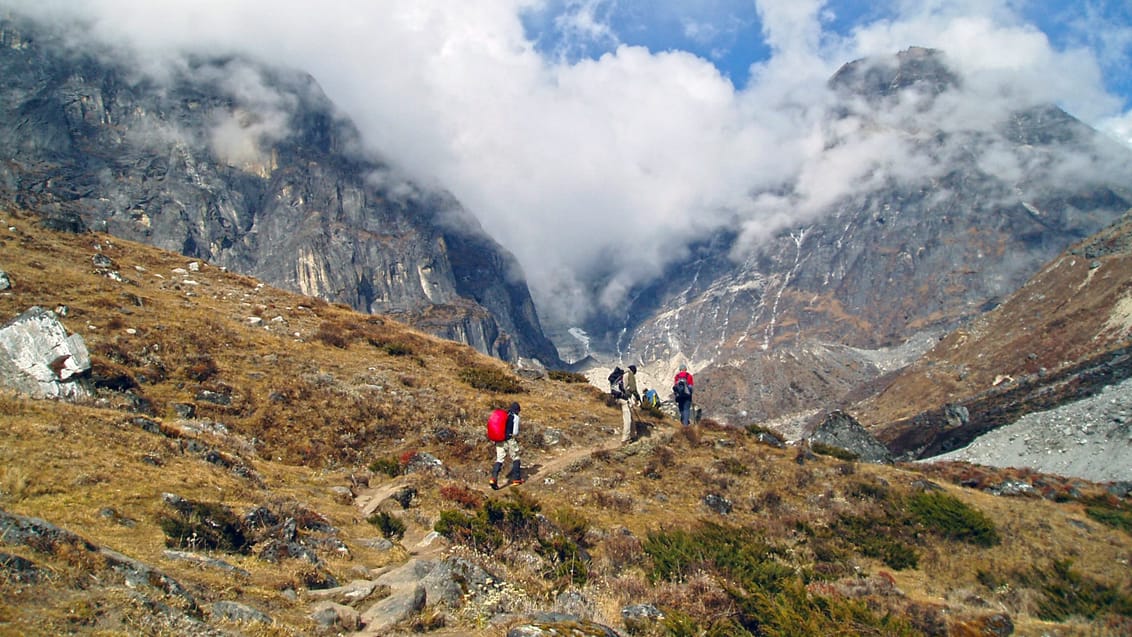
(616, 132)
(729, 33)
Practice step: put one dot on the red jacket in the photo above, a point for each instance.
(686, 376)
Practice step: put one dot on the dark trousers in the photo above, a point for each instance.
(685, 411)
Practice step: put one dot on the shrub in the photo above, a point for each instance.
(572, 522)
(836, 452)
(389, 466)
(391, 526)
(200, 367)
(567, 377)
(462, 495)
(1109, 513)
(204, 525)
(491, 380)
(568, 561)
(509, 519)
(731, 466)
(1067, 593)
(334, 334)
(949, 517)
(393, 348)
(878, 538)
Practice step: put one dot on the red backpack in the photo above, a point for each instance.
(497, 426)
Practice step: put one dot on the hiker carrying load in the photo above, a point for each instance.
(682, 389)
(502, 428)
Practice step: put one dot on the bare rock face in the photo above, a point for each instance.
(38, 358)
(249, 167)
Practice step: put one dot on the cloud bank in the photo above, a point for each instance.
(595, 159)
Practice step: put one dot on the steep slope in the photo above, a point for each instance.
(921, 246)
(256, 462)
(1065, 335)
(248, 167)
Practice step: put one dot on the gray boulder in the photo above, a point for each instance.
(841, 430)
(38, 358)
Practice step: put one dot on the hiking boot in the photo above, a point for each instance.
(494, 484)
(517, 481)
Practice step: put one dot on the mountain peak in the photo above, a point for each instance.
(877, 77)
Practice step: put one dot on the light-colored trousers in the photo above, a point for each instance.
(627, 429)
(507, 447)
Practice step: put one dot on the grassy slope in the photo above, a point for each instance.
(322, 392)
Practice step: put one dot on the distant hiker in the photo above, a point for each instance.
(630, 397)
(651, 398)
(682, 390)
(508, 446)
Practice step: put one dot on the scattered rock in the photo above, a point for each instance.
(237, 612)
(38, 358)
(640, 617)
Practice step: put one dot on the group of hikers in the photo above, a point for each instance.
(503, 426)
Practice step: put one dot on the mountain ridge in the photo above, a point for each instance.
(249, 167)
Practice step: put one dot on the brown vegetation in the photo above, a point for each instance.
(293, 398)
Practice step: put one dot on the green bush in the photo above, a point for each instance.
(491, 380)
(391, 526)
(835, 452)
(879, 538)
(389, 466)
(947, 516)
(204, 525)
(510, 519)
(769, 596)
(1109, 512)
(469, 530)
(1067, 593)
(567, 377)
(568, 561)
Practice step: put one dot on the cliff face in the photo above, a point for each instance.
(248, 167)
(819, 308)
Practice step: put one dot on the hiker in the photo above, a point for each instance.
(508, 446)
(630, 397)
(651, 398)
(682, 390)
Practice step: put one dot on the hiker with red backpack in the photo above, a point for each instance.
(682, 390)
(502, 428)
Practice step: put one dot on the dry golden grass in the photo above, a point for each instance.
(313, 398)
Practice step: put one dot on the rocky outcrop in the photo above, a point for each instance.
(249, 167)
(39, 358)
(842, 431)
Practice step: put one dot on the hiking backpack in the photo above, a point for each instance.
(682, 390)
(616, 382)
(497, 426)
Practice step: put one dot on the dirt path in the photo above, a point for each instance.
(423, 542)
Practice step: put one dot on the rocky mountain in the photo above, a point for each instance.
(1064, 336)
(248, 167)
(871, 282)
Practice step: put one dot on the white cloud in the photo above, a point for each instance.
(612, 165)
